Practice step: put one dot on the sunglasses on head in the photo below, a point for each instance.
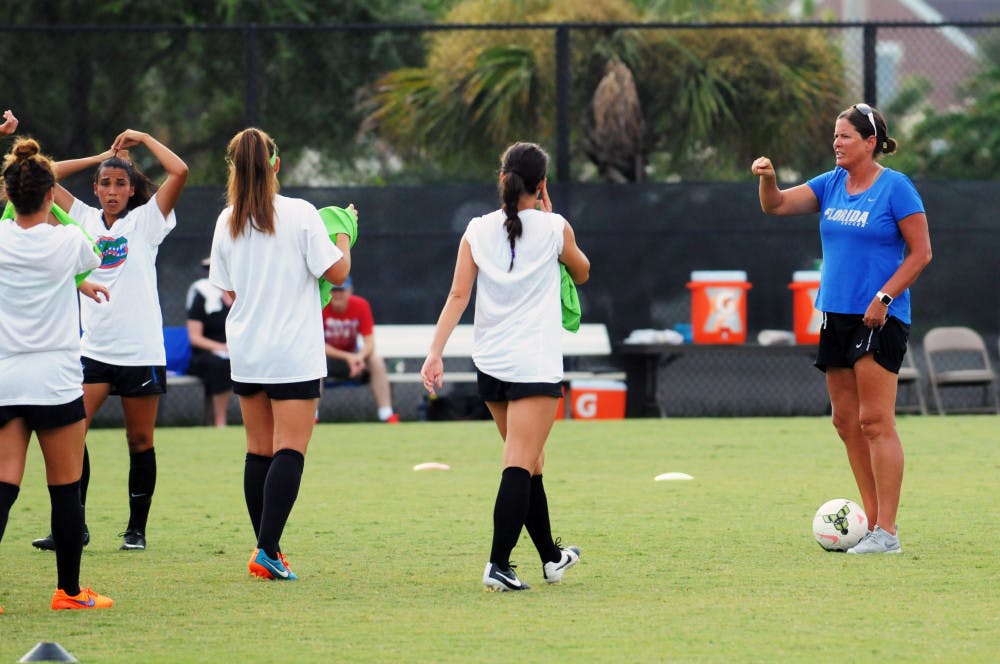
(865, 109)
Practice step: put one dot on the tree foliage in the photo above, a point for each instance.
(958, 143)
(481, 89)
(77, 88)
(709, 99)
(702, 101)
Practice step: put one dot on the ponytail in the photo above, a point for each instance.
(511, 191)
(252, 182)
(522, 169)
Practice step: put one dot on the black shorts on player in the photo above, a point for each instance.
(42, 418)
(306, 389)
(491, 389)
(844, 339)
(126, 381)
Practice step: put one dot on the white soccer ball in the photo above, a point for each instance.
(839, 524)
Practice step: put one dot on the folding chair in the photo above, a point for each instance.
(957, 357)
(909, 380)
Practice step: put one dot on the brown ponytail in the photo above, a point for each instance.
(253, 183)
(523, 166)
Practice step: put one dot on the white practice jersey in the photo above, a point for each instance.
(275, 328)
(39, 321)
(128, 330)
(518, 322)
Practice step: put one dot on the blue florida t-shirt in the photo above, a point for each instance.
(862, 245)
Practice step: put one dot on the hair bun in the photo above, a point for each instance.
(26, 148)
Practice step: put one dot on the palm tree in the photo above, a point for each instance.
(616, 141)
(693, 102)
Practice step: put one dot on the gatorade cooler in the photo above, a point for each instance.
(718, 306)
(597, 399)
(806, 320)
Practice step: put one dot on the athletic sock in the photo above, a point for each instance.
(254, 473)
(67, 523)
(281, 488)
(141, 483)
(384, 413)
(8, 494)
(85, 478)
(537, 523)
(509, 513)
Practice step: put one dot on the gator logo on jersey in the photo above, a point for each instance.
(114, 251)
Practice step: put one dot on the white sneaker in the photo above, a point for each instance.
(502, 580)
(877, 541)
(553, 572)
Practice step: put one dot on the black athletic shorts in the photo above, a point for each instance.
(126, 381)
(40, 418)
(214, 371)
(844, 339)
(340, 370)
(307, 389)
(491, 389)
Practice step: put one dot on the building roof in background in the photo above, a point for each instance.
(966, 10)
(945, 56)
(928, 11)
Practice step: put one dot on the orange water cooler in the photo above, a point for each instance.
(806, 320)
(718, 306)
(597, 399)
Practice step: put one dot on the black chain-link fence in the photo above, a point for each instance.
(77, 87)
(707, 96)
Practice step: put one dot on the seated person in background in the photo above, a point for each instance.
(207, 308)
(345, 318)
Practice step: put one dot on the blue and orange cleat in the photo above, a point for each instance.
(264, 567)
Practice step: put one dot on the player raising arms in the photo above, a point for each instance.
(122, 343)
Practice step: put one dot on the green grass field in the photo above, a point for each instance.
(721, 568)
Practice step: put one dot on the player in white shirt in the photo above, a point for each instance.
(122, 345)
(269, 252)
(513, 256)
(40, 372)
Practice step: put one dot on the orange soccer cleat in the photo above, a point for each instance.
(86, 599)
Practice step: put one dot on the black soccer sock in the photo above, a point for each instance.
(537, 523)
(141, 483)
(281, 488)
(8, 494)
(509, 512)
(67, 523)
(85, 476)
(254, 473)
